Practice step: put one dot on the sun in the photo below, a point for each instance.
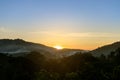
(58, 47)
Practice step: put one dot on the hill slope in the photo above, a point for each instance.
(106, 50)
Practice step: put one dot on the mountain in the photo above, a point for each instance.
(105, 50)
(19, 47)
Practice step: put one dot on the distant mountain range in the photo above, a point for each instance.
(19, 47)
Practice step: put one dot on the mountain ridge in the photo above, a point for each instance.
(16, 46)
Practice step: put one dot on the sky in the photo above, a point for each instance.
(81, 24)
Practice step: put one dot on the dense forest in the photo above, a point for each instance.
(35, 66)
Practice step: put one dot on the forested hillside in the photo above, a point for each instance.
(35, 66)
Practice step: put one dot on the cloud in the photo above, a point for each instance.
(4, 30)
(92, 34)
(77, 34)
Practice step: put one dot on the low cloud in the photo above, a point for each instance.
(92, 34)
(4, 30)
(84, 34)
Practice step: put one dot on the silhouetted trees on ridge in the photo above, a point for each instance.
(35, 66)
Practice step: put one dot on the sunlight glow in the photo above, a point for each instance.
(58, 47)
